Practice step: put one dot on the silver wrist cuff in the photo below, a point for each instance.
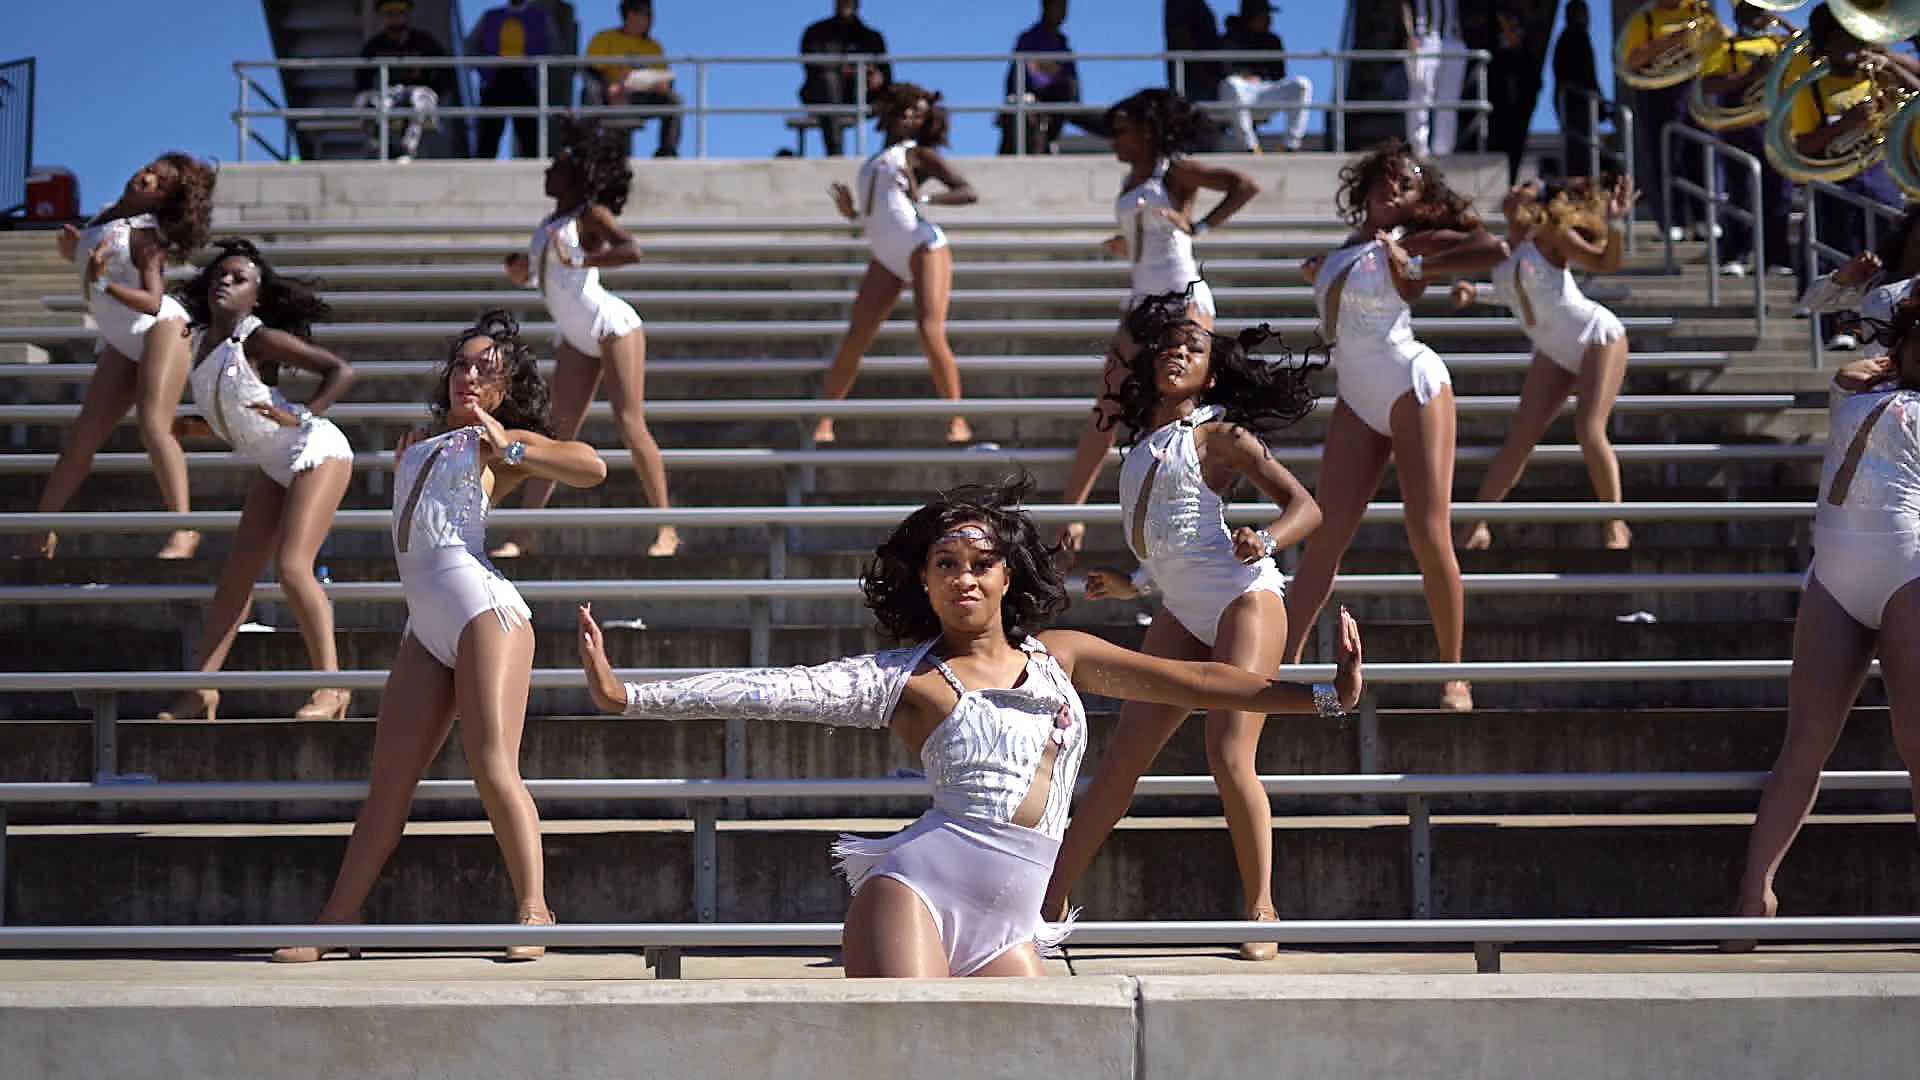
(1417, 268)
(1326, 700)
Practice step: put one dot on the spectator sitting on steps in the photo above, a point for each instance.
(618, 84)
(412, 94)
(832, 83)
(1052, 82)
(1259, 87)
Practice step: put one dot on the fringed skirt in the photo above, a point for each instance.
(982, 881)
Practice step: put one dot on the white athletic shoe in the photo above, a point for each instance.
(1843, 343)
(1734, 268)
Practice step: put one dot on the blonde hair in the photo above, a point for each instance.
(1581, 206)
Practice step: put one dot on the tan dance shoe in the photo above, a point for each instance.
(1261, 950)
(327, 703)
(1769, 907)
(531, 917)
(193, 705)
(181, 545)
(1456, 695)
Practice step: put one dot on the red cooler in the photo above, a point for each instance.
(53, 194)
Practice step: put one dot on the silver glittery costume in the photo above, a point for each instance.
(1375, 356)
(1177, 527)
(981, 877)
(226, 385)
(439, 536)
(1559, 319)
(121, 327)
(1867, 545)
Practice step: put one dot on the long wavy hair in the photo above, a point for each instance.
(892, 580)
(527, 401)
(1264, 393)
(1440, 206)
(1174, 124)
(185, 215)
(900, 97)
(283, 303)
(606, 175)
(1580, 204)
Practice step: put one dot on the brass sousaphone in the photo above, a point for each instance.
(1874, 22)
(1698, 36)
(1715, 113)
(1889, 21)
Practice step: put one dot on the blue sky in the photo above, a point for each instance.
(120, 80)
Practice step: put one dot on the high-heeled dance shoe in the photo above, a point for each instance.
(514, 548)
(1616, 536)
(308, 954)
(1261, 950)
(1769, 907)
(42, 546)
(193, 705)
(823, 431)
(531, 917)
(181, 545)
(1456, 695)
(327, 703)
(666, 543)
(1477, 537)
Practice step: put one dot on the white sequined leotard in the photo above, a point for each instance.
(1177, 527)
(1376, 358)
(225, 385)
(1866, 529)
(890, 213)
(1161, 251)
(1558, 318)
(120, 327)
(981, 877)
(439, 534)
(584, 312)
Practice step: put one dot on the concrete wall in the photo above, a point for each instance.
(1701, 1027)
(509, 191)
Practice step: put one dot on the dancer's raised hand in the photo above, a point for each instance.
(493, 431)
(843, 201)
(68, 242)
(1621, 199)
(1106, 583)
(1859, 269)
(609, 693)
(1349, 680)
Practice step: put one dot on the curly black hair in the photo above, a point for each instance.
(527, 400)
(1175, 125)
(600, 156)
(1440, 206)
(186, 216)
(892, 581)
(900, 97)
(1265, 394)
(283, 303)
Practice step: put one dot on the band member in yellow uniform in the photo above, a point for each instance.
(1650, 33)
(1830, 108)
(1732, 73)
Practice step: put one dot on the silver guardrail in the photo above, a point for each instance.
(701, 107)
(1716, 203)
(1813, 248)
(1598, 152)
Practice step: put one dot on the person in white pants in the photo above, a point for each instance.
(1262, 87)
(1433, 27)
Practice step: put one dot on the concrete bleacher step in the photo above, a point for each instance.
(637, 871)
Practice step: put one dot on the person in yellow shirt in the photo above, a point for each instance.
(1649, 33)
(621, 84)
(1734, 71)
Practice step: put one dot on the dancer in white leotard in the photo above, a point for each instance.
(1152, 130)
(1862, 596)
(141, 356)
(1200, 412)
(1871, 283)
(1579, 347)
(905, 248)
(597, 333)
(467, 650)
(987, 699)
(1396, 398)
(249, 323)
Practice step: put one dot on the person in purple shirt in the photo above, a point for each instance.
(517, 28)
(1052, 82)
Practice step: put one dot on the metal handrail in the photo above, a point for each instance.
(760, 517)
(1814, 248)
(1717, 204)
(701, 108)
(1623, 121)
(1512, 584)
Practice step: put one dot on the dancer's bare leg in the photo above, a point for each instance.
(879, 289)
(1541, 398)
(110, 394)
(1423, 458)
(164, 362)
(310, 505)
(1831, 653)
(1252, 635)
(490, 693)
(626, 370)
(1900, 672)
(1143, 729)
(932, 270)
(890, 934)
(1019, 962)
(1602, 369)
(1351, 466)
(416, 712)
(576, 376)
(253, 541)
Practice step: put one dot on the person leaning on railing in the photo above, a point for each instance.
(833, 82)
(1261, 87)
(618, 84)
(412, 93)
